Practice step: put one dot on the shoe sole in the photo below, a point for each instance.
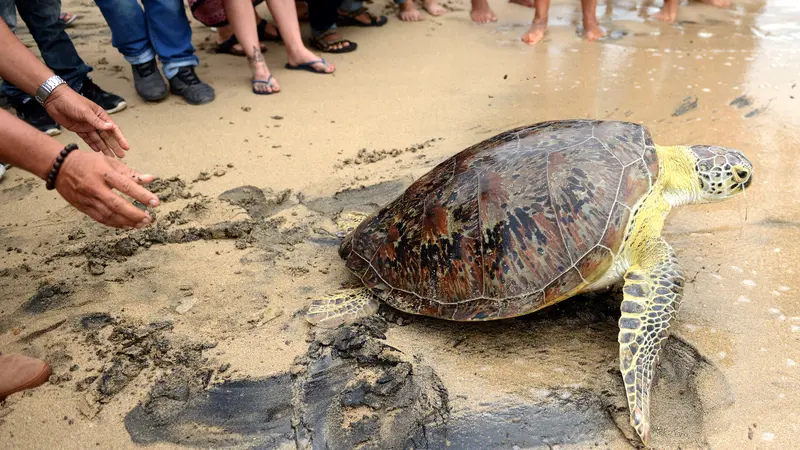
(120, 106)
(154, 99)
(53, 132)
(173, 92)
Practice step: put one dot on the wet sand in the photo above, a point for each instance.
(246, 235)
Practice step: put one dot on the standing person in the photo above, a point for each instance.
(591, 26)
(160, 29)
(242, 19)
(43, 20)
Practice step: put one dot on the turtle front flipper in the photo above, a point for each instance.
(346, 305)
(651, 297)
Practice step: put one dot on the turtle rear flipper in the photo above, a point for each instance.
(345, 306)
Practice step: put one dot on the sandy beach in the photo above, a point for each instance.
(247, 235)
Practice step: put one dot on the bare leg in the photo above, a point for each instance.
(527, 3)
(669, 12)
(409, 12)
(433, 7)
(242, 18)
(539, 26)
(285, 14)
(481, 12)
(717, 3)
(590, 24)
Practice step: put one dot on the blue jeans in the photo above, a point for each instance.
(41, 17)
(8, 12)
(160, 29)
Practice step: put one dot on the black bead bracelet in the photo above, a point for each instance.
(51, 177)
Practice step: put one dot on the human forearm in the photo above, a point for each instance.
(25, 147)
(18, 65)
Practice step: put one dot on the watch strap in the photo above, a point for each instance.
(47, 88)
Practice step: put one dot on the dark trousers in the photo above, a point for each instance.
(41, 18)
(322, 15)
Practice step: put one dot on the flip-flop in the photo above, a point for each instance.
(268, 82)
(309, 67)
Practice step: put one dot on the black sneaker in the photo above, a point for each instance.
(148, 81)
(110, 102)
(186, 84)
(36, 116)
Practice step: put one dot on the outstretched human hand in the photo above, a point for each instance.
(86, 181)
(88, 120)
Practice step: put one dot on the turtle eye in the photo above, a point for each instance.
(740, 174)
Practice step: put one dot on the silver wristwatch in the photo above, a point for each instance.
(47, 88)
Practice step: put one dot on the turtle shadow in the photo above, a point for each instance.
(579, 335)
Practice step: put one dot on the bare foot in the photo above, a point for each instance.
(536, 32)
(481, 13)
(669, 12)
(306, 56)
(593, 31)
(526, 3)
(409, 12)
(717, 3)
(433, 8)
(261, 77)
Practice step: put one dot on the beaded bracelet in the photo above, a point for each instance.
(51, 177)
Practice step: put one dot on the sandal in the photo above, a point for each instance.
(323, 45)
(66, 18)
(263, 36)
(268, 82)
(227, 47)
(309, 67)
(349, 19)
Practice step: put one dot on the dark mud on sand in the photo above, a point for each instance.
(352, 390)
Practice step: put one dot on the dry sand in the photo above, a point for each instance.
(411, 96)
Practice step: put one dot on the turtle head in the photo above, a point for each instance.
(720, 172)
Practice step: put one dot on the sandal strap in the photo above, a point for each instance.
(358, 12)
(268, 81)
(322, 42)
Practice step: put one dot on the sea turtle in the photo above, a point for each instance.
(536, 215)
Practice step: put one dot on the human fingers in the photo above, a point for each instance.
(129, 182)
(122, 212)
